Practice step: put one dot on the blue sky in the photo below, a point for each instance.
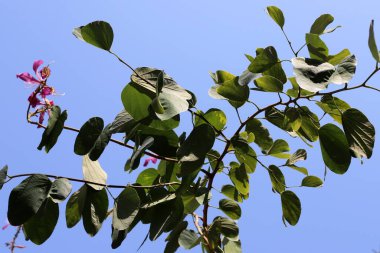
(187, 39)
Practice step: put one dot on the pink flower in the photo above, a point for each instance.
(41, 75)
(150, 159)
(33, 100)
(6, 226)
(46, 91)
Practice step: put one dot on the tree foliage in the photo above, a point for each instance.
(175, 197)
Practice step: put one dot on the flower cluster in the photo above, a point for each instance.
(38, 99)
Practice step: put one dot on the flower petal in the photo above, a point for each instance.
(33, 100)
(28, 78)
(37, 64)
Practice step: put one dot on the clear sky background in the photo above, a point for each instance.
(186, 39)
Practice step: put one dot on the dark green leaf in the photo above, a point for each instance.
(173, 237)
(320, 24)
(312, 181)
(192, 152)
(100, 143)
(60, 190)
(134, 161)
(40, 227)
(216, 117)
(117, 237)
(74, 206)
(372, 42)
(3, 175)
(94, 210)
(310, 125)
(276, 71)
(98, 34)
(231, 192)
(269, 83)
(188, 239)
(262, 136)
(293, 119)
(245, 154)
(335, 149)
(54, 129)
(291, 207)
(334, 107)
(87, 136)
(26, 198)
(276, 14)
(93, 172)
(230, 208)
(228, 228)
(264, 61)
(239, 177)
(360, 133)
(125, 209)
(277, 179)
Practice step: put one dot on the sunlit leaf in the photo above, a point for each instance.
(264, 60)
(317, 48)
(93, 172)
(240, 179)
(262, 136)
(231, 192)
(372, 42)
(333, 106)
(320, 24)
(188, 239)
(245, 154)
(277, 179)
(269, 83)
(216, 117)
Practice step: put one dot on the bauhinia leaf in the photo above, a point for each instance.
(276, 14)
(93, 172)
(98, 34)
(291, 207)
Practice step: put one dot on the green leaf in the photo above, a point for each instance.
(296, 88)
(312, 75)
(192, 152)
(188, 239)
(299, 169)
(310, 124)
(228, 228)
(299, 155)
(3, 175)
(216, 117)
(320, 24)
(277, 179)
(239, 177)
(60, 190)
(98, 34)
(40, 227)
(125, 209)
(100, 143)
(94, 210)
(229, 88)
(339, 57)
(264, 60)
(26, 199)
(87, 136)
(291, 207)
(136, 102)
(317, 48)
(93, 172)
(245, 154)
(230, 208)
(335, 149)
(262, 136)
(360, 133)
(293, 119)
(147, 177)
(231, 192)
(134, 162)
(278, 148)
(334, 107)
(372, 42)
(230, 246)
(276, 14)
(173, 98)
(172, 239)
(277, 72)
(54, 129)
(74, 206)
(269, 83)
(312, 181)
